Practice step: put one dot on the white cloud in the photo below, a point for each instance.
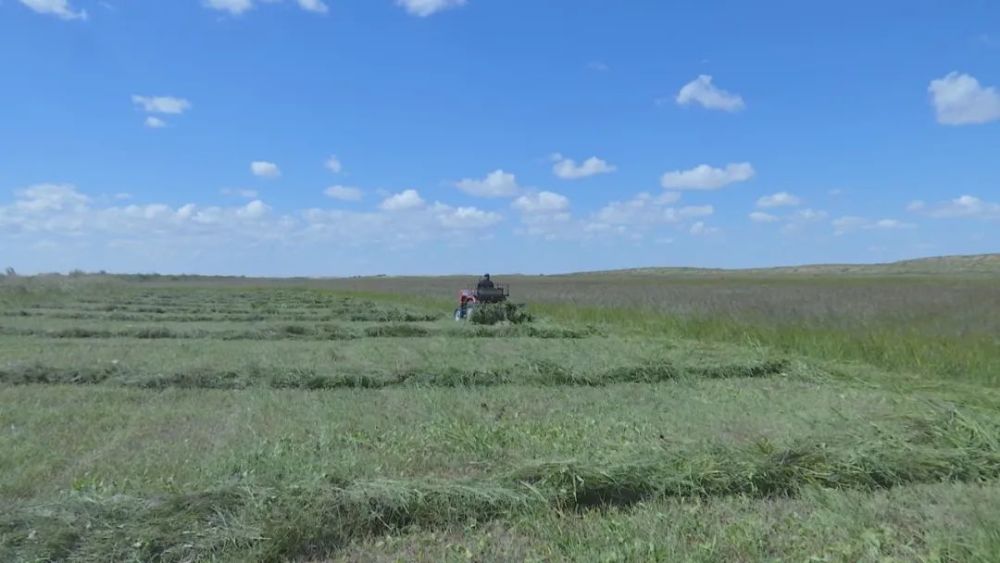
(464, 217)
(761, 217)
(344, 193)
(265, 169)
(695, 211)
(423, 223)
(849, 224)
(61, 215)
(59, 209)
(333, 164)
(58, 8)
(316, 6)
(234, 7)
(599, 66)
(702, 91)
(50, 197)
(568, 169)
(237, 7)
(542, 202)
(253, 210)
(959, 99)
(801, 219)
(644, 211)
(808, 215)
(424, 8)
(780, 199)
(248, 194)
(407, 199)
(496, 184)
(965, 206)
(155, 122)
(891, 224)
(704, 177)
(701, 229)
(162, 104)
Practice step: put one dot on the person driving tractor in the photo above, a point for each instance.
(485, 282)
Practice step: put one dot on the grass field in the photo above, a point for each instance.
(824, 416)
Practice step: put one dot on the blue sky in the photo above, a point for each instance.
(340, 137)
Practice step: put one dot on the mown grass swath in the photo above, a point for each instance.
(678, 416)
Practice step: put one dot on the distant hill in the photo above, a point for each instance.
(979, 264)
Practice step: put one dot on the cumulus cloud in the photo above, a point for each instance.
(423, 223)
(265, 169)
(343, 193)
(162, 104)
(959, 99)
(809, 215)
(333, 164)
(705, 177)
(801, 219)
(155, 122)
(234, 7)
(849, 224)
(58, 8)
(701, 229)
(47, 212)
(316, 6)
(568, 169)
(761, 217)
(60, 209)
(794, 221)
(405, 200)
(253, 210)
(50, 197)
(701, 91)
(965, 206)
(646, 211)
(237, 7)
(780, 199)
(464, 217)
(424, 8)
(496, 184)
(239, 192)
(542, 202)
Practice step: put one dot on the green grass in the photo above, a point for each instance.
(207, 420)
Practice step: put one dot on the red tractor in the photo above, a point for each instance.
(486, 292)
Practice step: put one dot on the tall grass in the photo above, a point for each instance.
(899, 348)
(944, 327)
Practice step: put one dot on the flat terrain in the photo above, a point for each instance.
(638, 416)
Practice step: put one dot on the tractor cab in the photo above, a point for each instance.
(486, 291)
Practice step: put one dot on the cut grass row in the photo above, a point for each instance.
(928, 523)
(278, 331)
(378, 362)
(538, 373)
(285, 315)
(133, 441)
(291, 521)
(903, 336)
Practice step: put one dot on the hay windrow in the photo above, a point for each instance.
(294, 521)
(538, 373)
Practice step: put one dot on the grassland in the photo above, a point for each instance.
(640, 416)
